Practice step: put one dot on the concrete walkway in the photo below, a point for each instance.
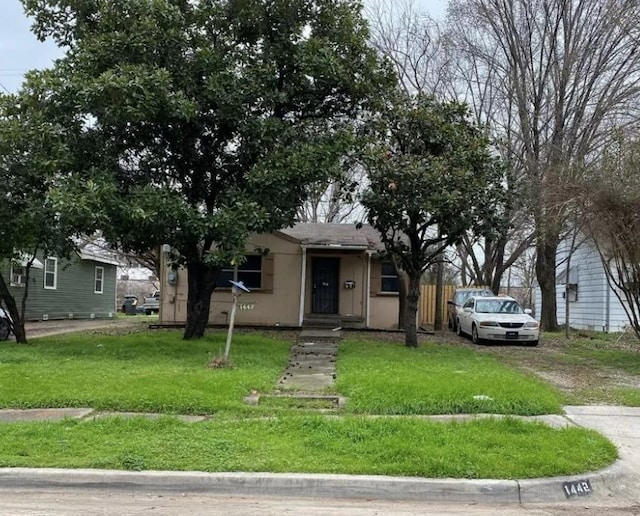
(59, 327)
(312, 366)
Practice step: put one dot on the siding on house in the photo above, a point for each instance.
(74, 295)
(277, 301)
(596, 308)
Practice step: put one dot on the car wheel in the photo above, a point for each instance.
(458, 328)
(474, 335)
(532, 343)
(5, 329)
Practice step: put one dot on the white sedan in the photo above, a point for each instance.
(497, 319)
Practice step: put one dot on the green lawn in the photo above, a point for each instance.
(312, 444)
(153, 371)
(158, 371)
(381, 378)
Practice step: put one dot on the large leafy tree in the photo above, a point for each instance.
(432, 178)
(206, 119)
(32, 151)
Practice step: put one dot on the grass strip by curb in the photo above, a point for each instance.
(488, 448)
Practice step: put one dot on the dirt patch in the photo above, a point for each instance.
(571, 368)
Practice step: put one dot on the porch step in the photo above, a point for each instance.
(311, 335)
(319, 321)
(303, 401)
(334, 321)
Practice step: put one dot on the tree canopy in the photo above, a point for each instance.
(32, 151)
(432, 178)
(199, 122)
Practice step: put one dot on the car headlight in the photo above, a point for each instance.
(532, 324)
(484, 324)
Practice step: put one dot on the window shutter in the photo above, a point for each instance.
(267, 272)
(376, 277)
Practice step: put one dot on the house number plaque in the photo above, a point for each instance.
(577, 488)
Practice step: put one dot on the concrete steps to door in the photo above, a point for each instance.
(310, 373)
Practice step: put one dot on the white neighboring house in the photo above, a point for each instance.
(593, 305)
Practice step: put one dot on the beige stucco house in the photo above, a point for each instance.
(306, 274)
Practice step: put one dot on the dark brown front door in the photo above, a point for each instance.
(325, 285)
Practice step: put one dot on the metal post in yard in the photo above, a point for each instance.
(237, 287)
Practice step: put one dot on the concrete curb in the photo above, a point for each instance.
(314, 485)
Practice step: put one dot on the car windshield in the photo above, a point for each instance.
(498, 306)
(463, 295)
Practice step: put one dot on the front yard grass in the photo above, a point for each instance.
(380, 378)
(158, 371)
(148, 371)
(488, 448)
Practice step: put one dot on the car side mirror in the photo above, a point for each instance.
(528, 311)
(467, 309)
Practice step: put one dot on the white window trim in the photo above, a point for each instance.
(55, 273)
(388, 276)
(95, 280)
(21, 283)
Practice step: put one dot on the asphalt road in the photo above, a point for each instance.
(76, 502)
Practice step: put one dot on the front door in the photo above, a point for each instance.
(325, 285)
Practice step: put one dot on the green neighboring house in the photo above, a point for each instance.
(81, 288)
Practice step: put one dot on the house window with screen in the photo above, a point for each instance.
(250, 273)
(18, 275)
(99, 280)
(51, 273)
(389, 278)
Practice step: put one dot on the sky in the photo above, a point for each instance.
(20, 51)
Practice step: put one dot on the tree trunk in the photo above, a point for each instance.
(546, 274)
(410, 326)
(403, 280)
(202, 281)
(17, 324)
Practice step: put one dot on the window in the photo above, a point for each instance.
(18, 275)
(389, 278)
(99, 280)
(51, 273)
(250, 273)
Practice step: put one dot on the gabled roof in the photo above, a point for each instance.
(346, 236)
(83, 255)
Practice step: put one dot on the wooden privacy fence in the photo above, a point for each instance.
(427, 306)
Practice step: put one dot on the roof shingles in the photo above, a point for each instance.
(335, 235)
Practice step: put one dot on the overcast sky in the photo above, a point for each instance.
(21, 51)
